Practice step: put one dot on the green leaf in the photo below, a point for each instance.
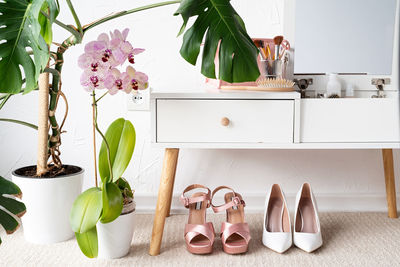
(10, 205)
(121, 137)
(51, 8)
(9, 223)
(88, 242)
(112, 202)
(9, 188)
(20, 28)
(221, 25)
(86, 210)
(54, 9)
(124, 187)
(14, 206)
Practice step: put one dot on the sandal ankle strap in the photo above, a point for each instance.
(236, 201)
(186, 201)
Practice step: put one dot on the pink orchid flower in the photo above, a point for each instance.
(102, 49)
(138, 80)
(100, 60)
(116, 81)
(91, 81)
(123, 49)
(93, 62)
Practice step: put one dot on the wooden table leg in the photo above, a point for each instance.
(164, 198)
(169, 204)
(390, 182)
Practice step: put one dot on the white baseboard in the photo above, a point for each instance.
(146, 203)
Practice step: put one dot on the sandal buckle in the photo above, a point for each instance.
(236, 201)
(186, 201)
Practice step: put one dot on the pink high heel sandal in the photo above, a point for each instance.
(199, 234)
(235, 233)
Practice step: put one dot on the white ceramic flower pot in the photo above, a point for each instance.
(48, 204)
(115, 238)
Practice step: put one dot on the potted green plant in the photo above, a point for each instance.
(9, 207)
(102, 216)
(28, 60)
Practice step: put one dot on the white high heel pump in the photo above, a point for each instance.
(307, 229)
(277, 230)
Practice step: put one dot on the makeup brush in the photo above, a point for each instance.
(262, 49)
(259, 45)
(269, 52)
(277, 41)
(262, 52)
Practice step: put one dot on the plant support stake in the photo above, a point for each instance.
(43, 122)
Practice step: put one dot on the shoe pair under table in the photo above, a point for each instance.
(235, 232)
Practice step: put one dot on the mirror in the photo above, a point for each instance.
(344, 36)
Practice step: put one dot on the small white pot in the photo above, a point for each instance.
(48, 204)
(115, 238)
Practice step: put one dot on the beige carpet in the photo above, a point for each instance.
(351, 239)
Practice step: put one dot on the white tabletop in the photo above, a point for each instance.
(224, 94)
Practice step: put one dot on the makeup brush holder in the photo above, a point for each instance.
(273, 69)
(277, 71)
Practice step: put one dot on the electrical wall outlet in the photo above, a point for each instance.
(139, 101)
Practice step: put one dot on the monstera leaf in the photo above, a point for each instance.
(20, 33)
(221, 25)
(10, 206)
(52, 8)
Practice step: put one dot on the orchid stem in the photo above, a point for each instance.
(101, 96)
(94, 140)
(102, 136)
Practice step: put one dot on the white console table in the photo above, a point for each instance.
(261, 120)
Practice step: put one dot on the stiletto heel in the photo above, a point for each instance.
(307, 229)
(235, 233)
(199, 234)
(277, 229)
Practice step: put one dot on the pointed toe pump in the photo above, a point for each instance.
(199, 234)
(235, 232)
(277, 230)
(307, 229)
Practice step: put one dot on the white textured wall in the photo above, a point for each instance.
(343, 179)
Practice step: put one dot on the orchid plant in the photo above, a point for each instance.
(100, 63)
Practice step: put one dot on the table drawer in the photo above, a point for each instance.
(200, 120)
(350, 120)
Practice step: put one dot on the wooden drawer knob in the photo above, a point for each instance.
(225, 121)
